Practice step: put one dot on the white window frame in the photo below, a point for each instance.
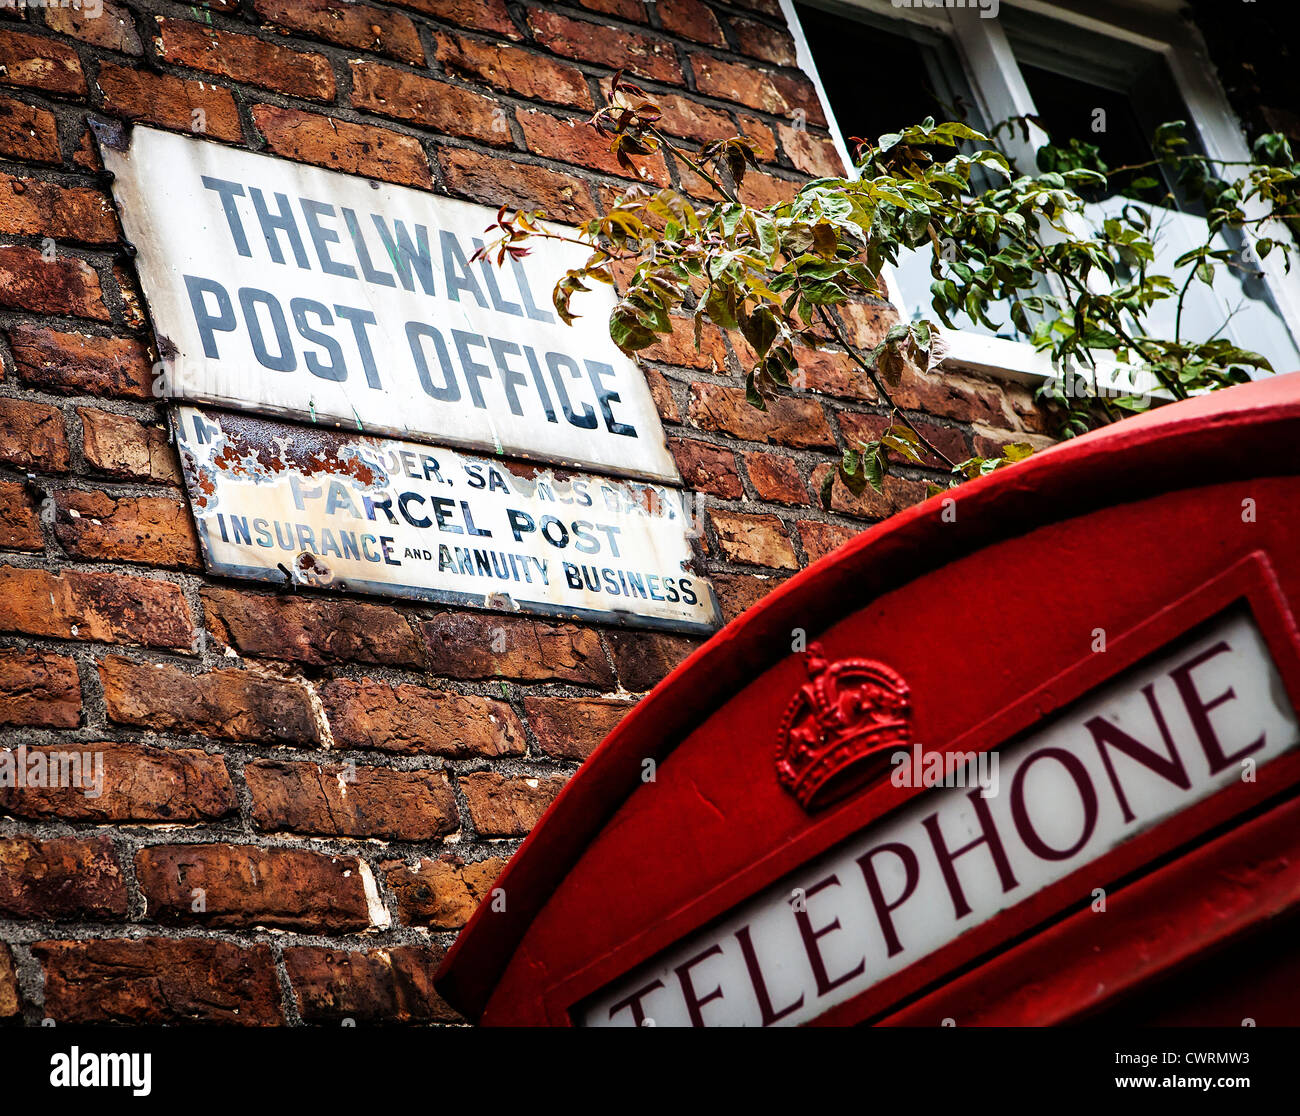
(995, 77)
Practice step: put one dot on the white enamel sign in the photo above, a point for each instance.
(325, 297)
(1146, 745)
(309, 506)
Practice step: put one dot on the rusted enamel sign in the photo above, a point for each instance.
(310, 294)
(308, 506)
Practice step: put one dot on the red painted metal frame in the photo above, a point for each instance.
(1247, 432)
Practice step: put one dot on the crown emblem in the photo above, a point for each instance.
(841, 727)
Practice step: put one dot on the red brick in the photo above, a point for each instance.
(765, 7)
(678, 347)
(351, 801)
(227, 704)
(707, 468)
(437, 105)
(122, 447)
(512, 70)
(111, 27)
(899, 493)
(494, 181)
(31, 436)
(765, 90)
(62, 877)
(310, 630)
(31, 207)
(691, 20)
(20, 525)
(63, 285)
(39, 62)
(10, 998)
(244, 885)
(348, 24)
(811, 153)
(39, 688)
(755, 540)
(831, 372)
(132, 315)
(171, 102)
(245, 58)
(146, 784)
(478, 645)
(383, 986)
(631, 10)
(644, 659)
(154, 530)
(662, 395)
(576, 141)
(605, 45)
(570, 728)
(442, 893)
(338, 145)
(159, 980)
(819, 539)
(685, 117)
(866, 323)
(28, 132)
(412, 720)
(775, 478)
(103, 607)
(81, 364)
(738, 591)
(860, 428)
(762, 40)
(760, 136)
(500, 806)
(788, 420)
(952, 396)
(988, 442)
(481, 15)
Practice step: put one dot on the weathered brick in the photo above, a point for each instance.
(690, 19)
(662, 395)
(777, 93)
(481, 15)
(678, 347)
(988, 442)
(819, 539)
(171, 102)
(811, 153)
(31, 207)
(788, 420)
(245, 58)
(20, 524)
(28, 132)
(111, 26)
(123, 447)
(866, 323)
(762, 40)
(412, 720)
(631, 10)
(479, 645)
(513, 70)
(63, 285)
(78, 363)
(159, 980)
(104, 607)
(140, 784)
(500, 806)
(339, 145)
(62, 877)
(644, 659)
(707, 468)
(686, 117)
(389, 985)
(154, 530)
(949, 395)
(831, 372)
(899, 493)
(436, 105)
(31, 436)
(229, 704)
(39, 62)
(10, 998)
(608, 46)
(755, 540)
(578, 142)
(760, 136)
(132, 315)
(351, 801)
(310, 630)
(570, 728)
(738, 591)
(442, 893)
(775, 478)
(495, 181)
(245, 885)
(39, 688)
(860, 428)
(348, 24)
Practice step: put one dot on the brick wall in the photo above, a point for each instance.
(305, 795)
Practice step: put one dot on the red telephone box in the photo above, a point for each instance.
(1027, 753)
